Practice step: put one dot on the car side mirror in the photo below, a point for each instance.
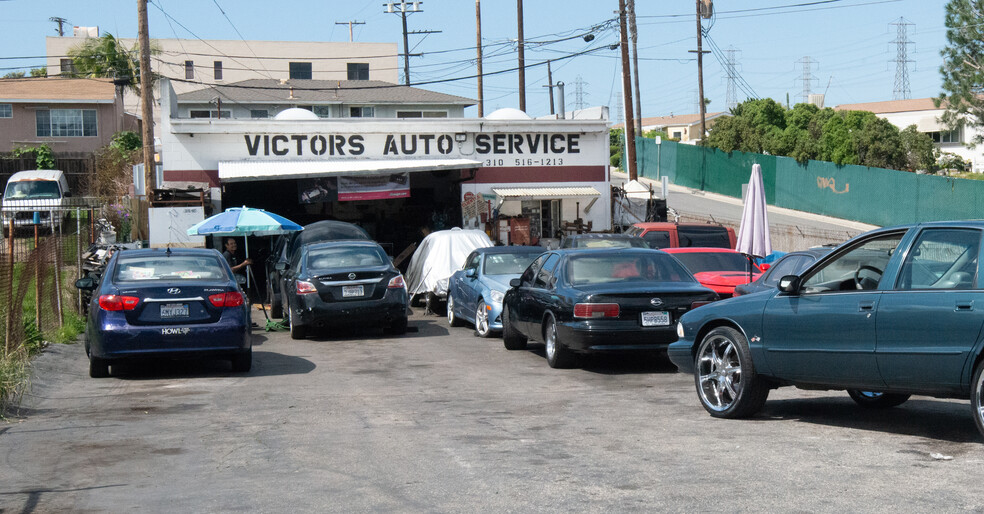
(515, 282)
(471, 272)
(789, 284)
(281, 266)
(85, 284)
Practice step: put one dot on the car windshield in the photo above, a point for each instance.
(175, 267)
(698, 262)
(508, 263)
(32, 189)
(590, 242)
(601, 269)
(345, 257)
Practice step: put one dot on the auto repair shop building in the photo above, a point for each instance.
(518, 178)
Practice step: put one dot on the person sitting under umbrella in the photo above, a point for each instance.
(230, 257)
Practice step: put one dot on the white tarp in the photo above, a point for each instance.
(753, 234)
(439, 255)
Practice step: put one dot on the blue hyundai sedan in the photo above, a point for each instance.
(173, 303)
(475, 292)
(891, 313)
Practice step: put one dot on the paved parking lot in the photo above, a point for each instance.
(439, 421)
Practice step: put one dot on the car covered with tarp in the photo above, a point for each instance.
(439, 255)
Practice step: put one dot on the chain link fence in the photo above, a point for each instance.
(784, 238)
(40, 259)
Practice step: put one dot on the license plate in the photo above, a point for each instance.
(351, 291)
(655, 319)
(174, 310)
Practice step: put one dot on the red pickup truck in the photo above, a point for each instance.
(677, 235)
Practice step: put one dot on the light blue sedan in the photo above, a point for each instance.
(476, 291)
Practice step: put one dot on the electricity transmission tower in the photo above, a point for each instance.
(902, 60)
(807, 77)
(578, 93)
(732, 96)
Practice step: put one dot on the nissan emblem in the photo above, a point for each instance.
(656, 302)
(351, 276)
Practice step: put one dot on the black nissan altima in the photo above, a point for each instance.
(582, 301)
(343, 283)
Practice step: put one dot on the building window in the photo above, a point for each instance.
(421, 114)
(360, 112)
(946, 136)
(676, 134)
(323, 111)
(358, 71)
(259, 113)
(6, 111)
(66, 122)
(189, 70)
(210, 114)
(217, 70)
(67, 66)
(300, 70)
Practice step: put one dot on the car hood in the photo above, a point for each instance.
(724, 278)
(499, 282)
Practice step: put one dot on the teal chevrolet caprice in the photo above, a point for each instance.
(891, 313)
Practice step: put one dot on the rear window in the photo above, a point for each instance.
(698, 262)
(657, 239)
(176, 267)
(609, 243)
(31, 190)
(711, 236)
(342, 257)
(610, 268)
(508, 263)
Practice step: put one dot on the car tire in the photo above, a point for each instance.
(483, 327)
(398, 327)
(98, 368)
(434, 304)
(727, 384)
(559, 356)
(511, 338)
(276, 307)
(452, 318)
(877, 400)
(242, 362)
(296, 331)
(977, 396)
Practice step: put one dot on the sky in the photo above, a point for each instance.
(849, 44)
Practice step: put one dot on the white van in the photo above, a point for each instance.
(35, 191)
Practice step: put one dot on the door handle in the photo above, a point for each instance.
(965, 305)
(866, 306)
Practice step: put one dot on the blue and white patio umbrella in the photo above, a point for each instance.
(244, 221)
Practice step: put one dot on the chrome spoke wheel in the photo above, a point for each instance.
(482, 320)
(719, 373)
(550, 341)
(451, 310)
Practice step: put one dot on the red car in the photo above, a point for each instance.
(719, 269)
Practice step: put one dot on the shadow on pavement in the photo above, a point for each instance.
(264, 364)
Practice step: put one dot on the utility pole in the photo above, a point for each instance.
(630, 148)
(146, 99)
(902, 60)
(550, 85)
(700, 74)
(350, 23)
(478, 47)
(522, 57)
(414, 7)
(61, 22)
(634, 35)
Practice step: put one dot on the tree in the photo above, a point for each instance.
(41, 72)
(921, 153)
(107, 57)
(15, 75)
(963, 66)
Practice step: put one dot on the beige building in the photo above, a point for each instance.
(925, 115)
(68, 115)
(683, 127)
(193, 64)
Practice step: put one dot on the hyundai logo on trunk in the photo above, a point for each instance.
(173, 290)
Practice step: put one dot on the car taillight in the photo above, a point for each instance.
(698, 304)
(596, 310)
(397, 281)
(229, 299)
(305, 287)
(112, 302)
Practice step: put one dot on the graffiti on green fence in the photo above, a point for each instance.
(830, 183)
